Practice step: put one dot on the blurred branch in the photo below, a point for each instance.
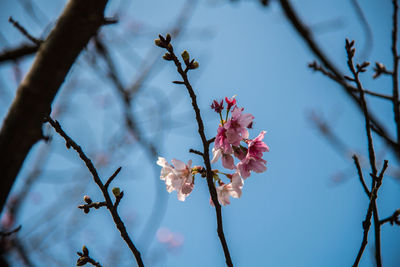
(112, 207)
(367, 30)
(18, 52)
(22, 126)
(170, 56)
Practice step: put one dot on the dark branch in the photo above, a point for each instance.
(307, 36)
(360, 175)
(395, 73)
(165, 43)
(394, 219)
(18, 52)
(110, 206)
(107, 184)
(196, 152)
(25, 32)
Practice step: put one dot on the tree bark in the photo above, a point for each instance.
(22, 127)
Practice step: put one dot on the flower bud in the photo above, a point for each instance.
(168, 57)
(168, 38)
(116, 191)
(85, 250)
(87, 199)
(185, 56)
(194, 65)
(159, 43)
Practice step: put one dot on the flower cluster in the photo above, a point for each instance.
(232, 141)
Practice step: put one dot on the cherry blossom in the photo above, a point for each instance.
(232, 189)
(236, 126)
(227, 159)
(177, 177)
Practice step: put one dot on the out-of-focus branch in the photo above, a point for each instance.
(112, 207)
(18, 52)
(22, 126)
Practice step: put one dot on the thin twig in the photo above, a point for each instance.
(117, 219)
(393, 219)
(367, 222)
(307, 36)
(206, 144)
(360, 175)
(109, 180)
(195, 152)
(25, 32)
(316, 67)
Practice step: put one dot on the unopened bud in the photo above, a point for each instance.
(87, 199)
(168, 38)
(159, 43)
(194, 65)
(116, 191)
(168, 56)
(85, 250)
(82, 261)
(185, 56)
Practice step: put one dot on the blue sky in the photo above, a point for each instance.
(292, 215)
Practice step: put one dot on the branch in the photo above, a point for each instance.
(25, 32)
(367, 222)
(18, 52)
(110, 206)
(314, 65)
(360, 175)
(306, 34)
(165, 43)
(394, 219)
(395, 73)
(22, 126)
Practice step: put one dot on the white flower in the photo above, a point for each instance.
(233, 189)
(177, 177)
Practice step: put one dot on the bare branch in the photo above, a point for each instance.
(110, 206)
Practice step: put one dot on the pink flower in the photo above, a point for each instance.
(240, 152)
(233, 189)
(253, 160)
(221, 141)
(178, 177)
(236, 126)
(227, 159)
(251, 164)
(218, 107)
(231, 102)
(258, 147)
